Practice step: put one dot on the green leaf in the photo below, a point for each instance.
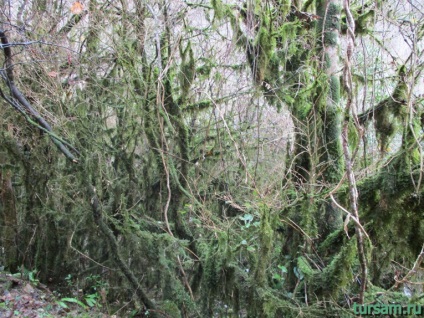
(298, 273)
(62, 304)
(90, 302)
(276, 277)
(282, 268)
(246, 218)
(75, 301)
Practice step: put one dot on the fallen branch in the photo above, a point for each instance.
(114, 247)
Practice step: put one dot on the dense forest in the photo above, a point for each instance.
(223, 158)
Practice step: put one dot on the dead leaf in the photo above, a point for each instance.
(77, 7)
(28, 289)
(53, 74)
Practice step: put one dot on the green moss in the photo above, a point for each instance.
(392, 112)
(332, 242)
(305, 268)
(353, 136)
(284, 7)
(273, 306)
(303, 110)
(331, 24)
(204, 71)
(338, 274)
(204, 104)
(335, 89)
(218, 273)
(266, 235)
(218, 9)
(171, 309)
(389, 209)
(261, 51)
(188, 69)
(327, 89)
(309, 208)
(385, 126)
(333, 11)
(382, 296)
(364, 21)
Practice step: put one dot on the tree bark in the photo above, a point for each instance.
(328, 104)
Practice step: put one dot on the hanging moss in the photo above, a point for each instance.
(389, 113)
(266, 234)
(272, 82)
(339, 273)
(204, 71)
(353, 136)
(412, 125)
(410, 143)
(284, 7)
(218, 274)
(385, 126)
(389, 208)
(264, 44)
(188, 68)
(332, 243)
(363, 22)
(218, 9)
(305, 268)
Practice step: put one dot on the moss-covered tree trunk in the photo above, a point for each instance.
(9, 220)
(328, 103)
(318, 155)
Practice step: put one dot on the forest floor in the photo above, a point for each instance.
(23, 298)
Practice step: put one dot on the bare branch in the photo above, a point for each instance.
(20, 103)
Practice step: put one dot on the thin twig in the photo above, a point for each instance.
(84, 255)
(353, 191)
(413, 271)
(19, 102)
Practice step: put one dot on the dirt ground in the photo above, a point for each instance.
(25, 299)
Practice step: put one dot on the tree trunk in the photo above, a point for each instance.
(9, 218)
(328, 103)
